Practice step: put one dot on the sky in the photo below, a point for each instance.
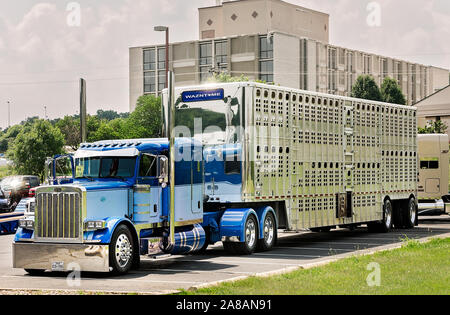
(45, 47)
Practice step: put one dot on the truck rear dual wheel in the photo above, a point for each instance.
(405, 216)
(121, 256)
(247, 247)
(386, 224)
(409, 214)
(270, 234)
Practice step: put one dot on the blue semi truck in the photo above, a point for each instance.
(236, 162)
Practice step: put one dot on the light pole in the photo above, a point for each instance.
(9, 113)
(165, 29)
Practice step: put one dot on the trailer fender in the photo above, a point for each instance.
(232, 223)
(262, 212)
(104, 236)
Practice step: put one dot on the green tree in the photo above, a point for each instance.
(70, 128)
(92, 125)
(107, 115)
(434, 127)
(145, 121)
(224, 77)
(8, 136)
(365, 87)
(391, 92)
(110, 130)
(33, 145)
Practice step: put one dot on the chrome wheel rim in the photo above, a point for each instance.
(123, 250)
(268, 230)
(250, 233)
(388, 215)
(412, 213)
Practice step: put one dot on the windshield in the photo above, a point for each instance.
(105, 167)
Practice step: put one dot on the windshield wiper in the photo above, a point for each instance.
(119, 177)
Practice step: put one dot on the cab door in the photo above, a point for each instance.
(147, 193)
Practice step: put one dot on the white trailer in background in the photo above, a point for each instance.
(433, 173)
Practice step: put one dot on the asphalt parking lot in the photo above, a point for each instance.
(183, 272)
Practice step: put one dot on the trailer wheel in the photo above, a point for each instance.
(398, 214)
(247, 247)
(409, 214)
(121, 251)
(270, 233)
(386, 224)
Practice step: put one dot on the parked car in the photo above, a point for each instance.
(17, 187)
(5, 202)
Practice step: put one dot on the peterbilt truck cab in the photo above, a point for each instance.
(116, 209)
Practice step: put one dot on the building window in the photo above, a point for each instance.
(266, 59)
(221, 53)
(266, 70)
(332, 56)
(205, 74)
(384, 68)
(265, 47)
(206, 59)
(367, 64)
(206, 54)
(149, 60)
(350, 67)
(161, 58)
(332, 81)
(149, 82)
(398, 72)
(161, 80)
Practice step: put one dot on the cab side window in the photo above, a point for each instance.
(148, 166)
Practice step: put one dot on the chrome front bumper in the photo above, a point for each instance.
(430, 207)
(61, 257)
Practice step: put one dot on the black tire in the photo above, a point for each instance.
(270, 234)
(121, 251)
(35, 272)
(247, 247)
(398, 214)
(409, 214)
(386, 224)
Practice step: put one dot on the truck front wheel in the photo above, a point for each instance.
(121, 251)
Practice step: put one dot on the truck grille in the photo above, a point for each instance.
(58, 215)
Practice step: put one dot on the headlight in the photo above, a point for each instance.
(26, 224)
(94, 225)
(31, 206)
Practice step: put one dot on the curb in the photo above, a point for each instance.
(319, 263)
(87, 292)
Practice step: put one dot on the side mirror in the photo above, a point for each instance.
(163, 170)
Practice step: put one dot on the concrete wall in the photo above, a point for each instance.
(260, 17)
(440, 78)
(136, 76)
(286, 62)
